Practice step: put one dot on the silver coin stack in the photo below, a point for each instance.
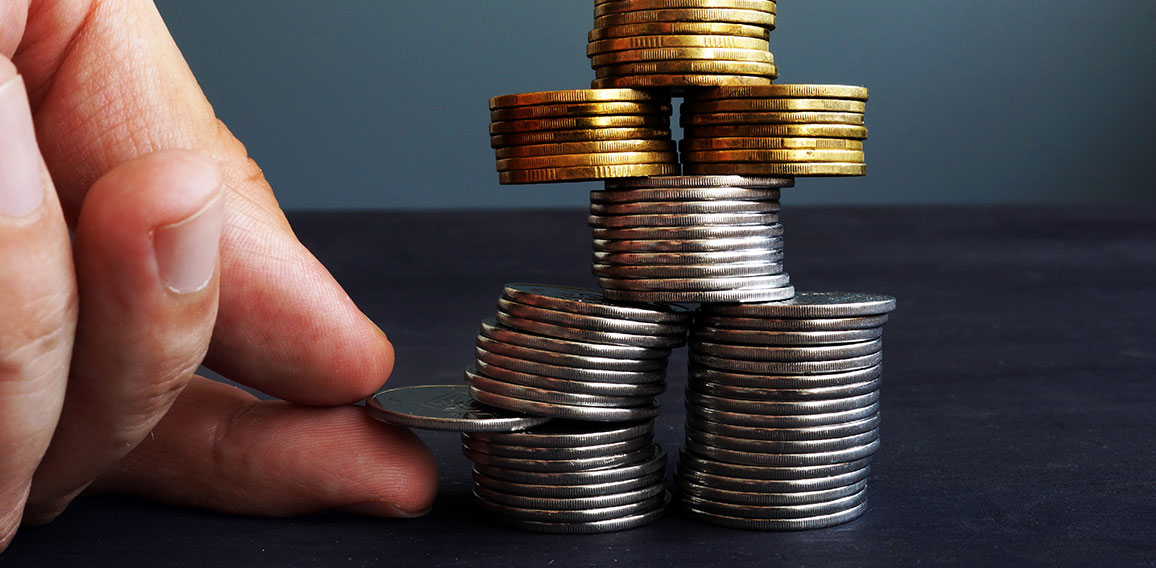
(783, 411)
(690, 239)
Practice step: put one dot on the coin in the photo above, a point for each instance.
(653, 461)
(755, 65)
(503, 388)
(708, 493)
(596, 146)
(567, 359)
(557, 465)
(579, 123)
(769, 473)
(689, 232)
(579, 334)
(569, 385)
(676, 220)
(612, 248)
(765, 18)
(782, 420)
(791, 324)
(685, 207)
(773, 105)
(576, 516)
(563, 372)
(807, 305)
(784, 338)
(643, 195)
(713, 270)
(444, 407)
(799, 156)
(762, 433)
(848, 131)
(768, 143)
(704, 296)
(592, 527)
(771, 485)
(611, 7)
(804, 523)
(586, 173)
(597, 414)
(688, 40)
(598, 489)
(786, 169)
(775, 511)
(579, 135)
(747, 393)
(728, 443)
(582, 160)
(801, 117)
(569, 503)
(788, 353)
(579, 110)
(654, 284)
(590, 321)
(725, 183)
(788, 367)
(699, 373)
(532, 452)
(490, 328)
(780, 407)
(591, 302)
(678, 81)
(577, 96)
(779, 459)
(570, 434)
(683, 258)
(782, 91)
(679, 28)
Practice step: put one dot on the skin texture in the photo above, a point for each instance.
(181, 256)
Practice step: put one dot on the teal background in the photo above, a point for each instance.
(383, 104)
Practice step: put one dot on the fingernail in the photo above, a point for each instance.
(21, 182)
(186, 251)
(380, 509)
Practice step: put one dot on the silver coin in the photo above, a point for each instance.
(787, 354)
(762, 433)
(569, 503)
(741, 244)
(554, 397)
(567, 385)
(592, 413)
(775, 511)
(444, 407)
(567, 359)
(784, 338)
(717, 495)
(592, 527)
(570, 434)
(692, 232)
(783, 395)
(717, 270)
(681, 220)
(573, 373)
(781, 446)
(682, 194)
(685, 258)
(697, 284)
(684, 207)
(814, 305)
(788, 367)
(784, 324)
(756, 458)
(591, 302)
(557, 465)
(780, 420)
(653, 462)
(563, 491)
(768, 473)
(780, 407)
(771, 485)
(587, 321)
(579, 516)
(804, 523)
(744, 295)
(492, 329)
(700, 374)
(700, 182)
(579, 334)
(531, 452)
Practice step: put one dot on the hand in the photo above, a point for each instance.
(180, 253)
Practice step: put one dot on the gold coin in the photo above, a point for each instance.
(677, 81)
(587, 173)
(721, 15)
(718, 118)
(583, 135)
(694, 66)
(661, 41)
(737, 169)
(585, 148)
(603, 8)
(770, 156)
(613, 121)
(783, 91)
(778, 105)
(669, 53)
(577, 160)
(767, 143)
(678, 28)
(579, 109)
(577, 96)
(775, 130)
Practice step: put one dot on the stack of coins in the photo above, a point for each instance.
(569, 353)
(774, 130)
(578, 135)
(782, 410)
(681, 43)
(690, 239)
(571, 477)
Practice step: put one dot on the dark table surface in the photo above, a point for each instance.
(1019, 399)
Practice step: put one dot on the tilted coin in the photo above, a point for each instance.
(721, 442)
(701, 284)
(738, 379)
(762, 433)
(769, 473)
(679, 28)
(701, 182)
(764, 18)
(688, 232)
(570, 434)
(568, 385)
(791, 353)
(782, 420)
(444, 407)
(576, 96)
(781, 407)
(777, 459)
(580, 135)
(503, 388)
(704, 296)
(714, 270)
(774, 105)
(490, 328)
(801, 117)
(579, 334)
(801, 156)
(681, 220)
(612, 248)
(531, 452)
(770, 394)
(569, 503)
(709, 493)
(590, 321)
(592, 302)
(683, 40)
(577, 123)
(596, 414)
(572, 516)
(587, 173)
(679, 81)
(782, 91)
(789, 324)
(848, 131)
(684, 207)
(771, 485)
(784, 338)
(768, 143)
(596, 146)
(563, 372)
(653, 461)
(584, 160)
(558, 465)
(784, 169)
(803, 523)
(615, 6)
(758, 67)
(675, 258)
(567, 359)
(788, 367)
(579, 109)
(641, 195)
(814, 305)
(590, 490)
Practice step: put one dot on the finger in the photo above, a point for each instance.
(108, 84)
(37, 303)
(146, 264)
(222, 449)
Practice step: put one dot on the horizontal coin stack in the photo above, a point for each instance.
(783, 410)
(676, 44)
(582, 135)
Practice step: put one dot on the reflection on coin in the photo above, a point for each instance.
(769, 459)
(814, 305)
(757, 254)
(444, 407)
(776, 511)
(701, 182)
(557, 465)
(783, 169)
(740, 245)
(603, 7)
(780, 394)
(679, 28)
(682, 40)
(552, 396)
(774, 105)
(568, 516)
(579, 109)
(688, 232)
(567, 359)
(714, 270)
(578, 135)
(570, 385)
(850, 131)
(782, 420)
(754, 294)
(653, 461)
(788, 367)
(569, 503)
(638, 195)
(800, 117)
(771, 156)
(785, 338)
(790, 324)
(577, 123)
(768, 143)
(678, 220)
(613, 338)
(760, 63)
(570, 434)
(779, 407)
(492, 329)
(684, 207)
(563, 372)
(699, 373)
(587, 173)
(817, 483)
(591, 321)
(769, 473)
(592, 146)
(757, 17)
(679, 81)
(557, 491)
(654, 284)
(592, 302)
(805, 523)
(764, 433)
(576, 96)
(588, 160)
(532, 452)
(779, 446)
(783, 91)
(708, 493)
(788, 353)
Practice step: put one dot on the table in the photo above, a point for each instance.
(1019, 398)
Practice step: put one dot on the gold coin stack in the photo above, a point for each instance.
(776, 130)
(676, 44)
(582, 135)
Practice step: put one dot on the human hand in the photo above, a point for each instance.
(177, 256)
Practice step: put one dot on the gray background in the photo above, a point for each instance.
(383, 104)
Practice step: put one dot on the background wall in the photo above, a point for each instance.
(383, 103)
